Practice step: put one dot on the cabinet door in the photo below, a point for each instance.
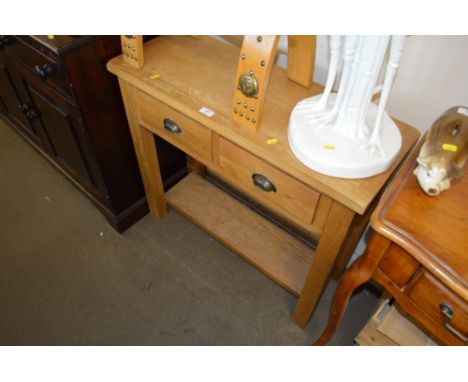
(61, 130)
(10, 103)
(58, 122)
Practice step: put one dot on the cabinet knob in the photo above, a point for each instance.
(23, 107)
(29, 111)
(263, 183)
(45, 70)
(4, 41)
(171, 126)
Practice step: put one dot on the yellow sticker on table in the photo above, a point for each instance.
(449, 147)
(329, 147)
(272, 141)
(50, 36)
(153, 76)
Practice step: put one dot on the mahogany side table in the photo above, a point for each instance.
(418, 252)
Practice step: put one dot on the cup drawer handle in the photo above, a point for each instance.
(263, 183)
(171, 126)
(447, 312)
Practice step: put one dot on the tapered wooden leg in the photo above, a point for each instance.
(335, 230)
(358, 227)
(150, 171)
(360, 272)
(146, 154)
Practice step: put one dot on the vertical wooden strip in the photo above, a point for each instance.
(355, 233)
(215, 148)
(335, 230)
(257, 57)
(132, 50)
(147, 157)
(301, 59)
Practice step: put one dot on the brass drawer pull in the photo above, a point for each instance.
(171, 126)
(447, 312)
(263, 183)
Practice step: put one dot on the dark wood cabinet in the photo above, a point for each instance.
(10, 102)
(59, 96)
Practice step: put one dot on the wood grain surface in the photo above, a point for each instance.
(301, 59)
(257, 56)
(433, 229)
(282, 257)
(180, 84)
(194, 139)
(291, 197)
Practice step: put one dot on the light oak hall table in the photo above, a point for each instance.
(295, 225)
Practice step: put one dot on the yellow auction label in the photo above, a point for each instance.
(153, 76)
(50, 36)
(449, 147)
(272, 141)
(329, 147)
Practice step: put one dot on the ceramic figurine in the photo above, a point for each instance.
(443, 154)
(345, 134)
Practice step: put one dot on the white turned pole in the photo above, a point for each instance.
(340, 133)
(396, 51)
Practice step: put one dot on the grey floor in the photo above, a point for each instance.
(67, 278)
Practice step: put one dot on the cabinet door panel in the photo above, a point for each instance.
(61, 132)
(58, 123)
(11, 102)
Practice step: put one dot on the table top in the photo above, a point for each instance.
(433, 229)
(60, 44)
(201, 72)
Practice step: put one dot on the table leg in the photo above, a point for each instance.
(360, 272)
(146, 154)
(334, 233)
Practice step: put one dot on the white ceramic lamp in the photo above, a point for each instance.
(345, 134)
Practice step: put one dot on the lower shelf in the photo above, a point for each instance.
(387, 327)
(276, 253)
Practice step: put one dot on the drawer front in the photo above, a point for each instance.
(174, 127)
(49, 70)
(398, 265)
(264, 183)
(429, 294)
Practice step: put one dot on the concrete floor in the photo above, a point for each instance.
(67, 278)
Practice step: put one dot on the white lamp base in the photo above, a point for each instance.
(322, 149)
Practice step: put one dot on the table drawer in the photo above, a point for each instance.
(266, 184)
(174, 127)
(433, 297)
(398, 265)
(48, 69)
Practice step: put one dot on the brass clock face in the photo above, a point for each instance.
(248, 84)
